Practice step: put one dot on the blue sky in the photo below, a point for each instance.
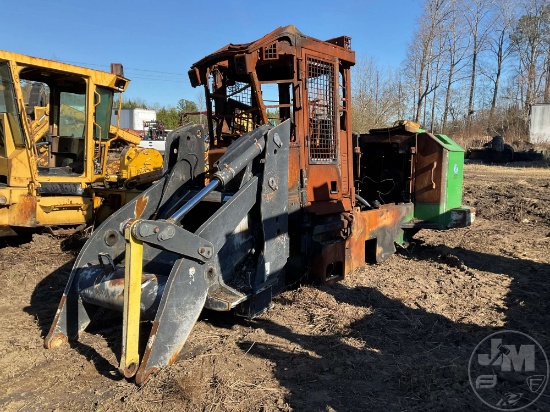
(158, 41)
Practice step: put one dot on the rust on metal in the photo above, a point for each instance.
(429, 177)
(293, 167)
(306, 72)
(141, 204)
(130, 370)
(175, 356)
(143, 376)
(23, 213)
(58, 340)
(144, 372)
(117, 282)
(54, 338)
(382, 225)
(329, 265)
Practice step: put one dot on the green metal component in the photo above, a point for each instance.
(440, 213)
(402, 239)
(455, 172)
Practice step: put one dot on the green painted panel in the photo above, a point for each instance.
(449, 143)
(428, 211)
(455, 177)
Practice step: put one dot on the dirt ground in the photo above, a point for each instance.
(395, 336)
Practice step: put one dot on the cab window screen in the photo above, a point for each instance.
(320, 95)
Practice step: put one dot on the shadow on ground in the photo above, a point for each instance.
(411, 359)
(407, 359)
(43, 306)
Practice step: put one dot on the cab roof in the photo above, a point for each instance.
(98, 77)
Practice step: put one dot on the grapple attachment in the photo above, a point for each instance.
(182, 246)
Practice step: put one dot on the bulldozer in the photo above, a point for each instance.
(55, 143)
(291, 195)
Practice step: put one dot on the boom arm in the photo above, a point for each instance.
(196, 265)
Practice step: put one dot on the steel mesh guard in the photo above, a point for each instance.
(320, 95)
(242, 93)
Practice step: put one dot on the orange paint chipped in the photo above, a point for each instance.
(141, 204)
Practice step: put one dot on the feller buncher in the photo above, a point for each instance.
(55, 141)
(286, 198)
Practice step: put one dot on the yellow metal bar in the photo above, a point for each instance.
(98, 77)
(129, 360)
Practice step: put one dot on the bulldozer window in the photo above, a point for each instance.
(235, 109)
(239, 103)
(56, 109)
(277, 99)
(102, 115)
(36, 97)
(8, 106)
(72, 114)
(35, 94)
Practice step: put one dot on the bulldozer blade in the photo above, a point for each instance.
(181, 304)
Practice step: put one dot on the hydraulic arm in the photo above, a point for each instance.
(161, 264)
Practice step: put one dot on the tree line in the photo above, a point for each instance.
(473, 68)
(170, 116)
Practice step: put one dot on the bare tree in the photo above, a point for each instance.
(422, 54)
(479, 22)
(499, 46)
(529, 38)
(456, 46)
(376, 99)
(473, 65)
(436, 75)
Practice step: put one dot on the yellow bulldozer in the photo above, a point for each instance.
(62, 163)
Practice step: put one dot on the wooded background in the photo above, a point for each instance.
(472, 70)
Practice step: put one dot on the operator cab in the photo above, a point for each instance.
(55, 123)
(287, 75)
(56, 106)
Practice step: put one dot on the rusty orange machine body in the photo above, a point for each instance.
(284, 191)
(288, 75)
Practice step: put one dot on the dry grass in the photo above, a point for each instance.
(393, 336)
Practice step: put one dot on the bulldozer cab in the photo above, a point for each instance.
(287, 75)
(61, 144)
(64, 113)
(54, 138)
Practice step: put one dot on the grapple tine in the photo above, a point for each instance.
(71, 317)
(182, 302)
